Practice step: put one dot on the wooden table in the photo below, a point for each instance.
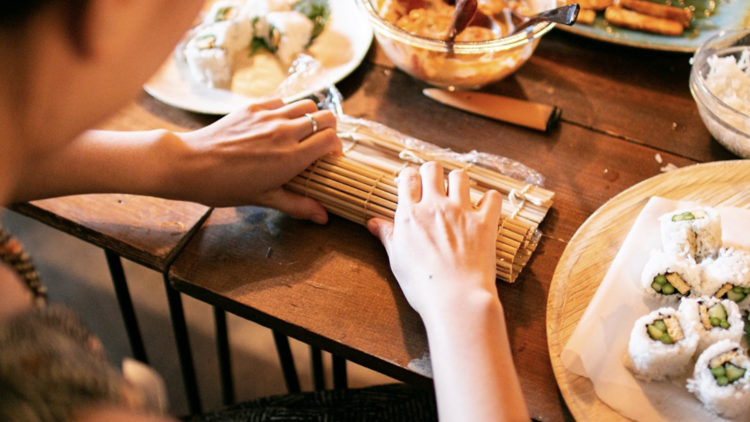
(331, 286)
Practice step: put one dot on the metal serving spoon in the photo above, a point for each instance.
(565, 15)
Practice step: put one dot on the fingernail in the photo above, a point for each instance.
(318, 218)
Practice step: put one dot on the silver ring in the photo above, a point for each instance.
(313, 121)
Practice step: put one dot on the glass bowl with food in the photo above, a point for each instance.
(413, 34)
(720, 84)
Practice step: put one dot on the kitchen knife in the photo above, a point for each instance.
(519, 112)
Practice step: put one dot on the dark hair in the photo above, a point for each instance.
(15, 14)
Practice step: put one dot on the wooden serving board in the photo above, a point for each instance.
(592, 249)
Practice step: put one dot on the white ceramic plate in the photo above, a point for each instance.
(340, 49)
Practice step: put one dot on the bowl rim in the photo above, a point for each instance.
(712, 115)
(381, 25)
(701, 57)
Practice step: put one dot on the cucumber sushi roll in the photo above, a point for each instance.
(209, 63)
(229, 18)
(695, 232)
(728, 276)
(285, 33)
(713, 320)
(661, 345)
(721, 379)
(668, 276)
(223, 11)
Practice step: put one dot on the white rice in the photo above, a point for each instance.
(235, 26)
(209, 63)
(661, 263)
(295, 30)
(652, 360)
(699, 238)
(729, 401)
(237, 34)
(234, 9)
(729, 80)
(691, 312)
(731, 266)
(260, 8)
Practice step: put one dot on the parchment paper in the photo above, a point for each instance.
(598, 345)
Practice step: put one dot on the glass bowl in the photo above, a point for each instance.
(464, 65)
(727, 125)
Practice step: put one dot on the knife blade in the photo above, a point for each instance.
(511, 110)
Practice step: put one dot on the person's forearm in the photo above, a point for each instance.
(103, 162)
(475, 379)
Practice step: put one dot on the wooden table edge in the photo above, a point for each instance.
(297, 332)
(98, 239)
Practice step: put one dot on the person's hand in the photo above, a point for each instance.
(441, 248)
(246, 157)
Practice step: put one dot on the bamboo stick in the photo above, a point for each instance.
(362, 184)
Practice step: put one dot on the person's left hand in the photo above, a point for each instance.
(246, 157)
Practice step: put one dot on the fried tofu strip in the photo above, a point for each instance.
(675, 280)
(705, 319)
(672, 13)
(592, 5)
(724, 290)
(723, 358)
(673, 328)
(634, 20)
(586, 16)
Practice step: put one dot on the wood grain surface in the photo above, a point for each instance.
(148, 231)
(593, 248)
(331, 286)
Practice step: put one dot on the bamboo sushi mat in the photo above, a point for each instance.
(362, 185)
(592, 249)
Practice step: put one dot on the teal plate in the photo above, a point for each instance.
(728, 15)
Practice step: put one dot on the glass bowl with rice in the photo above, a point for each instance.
(412, 34)
(720, 84)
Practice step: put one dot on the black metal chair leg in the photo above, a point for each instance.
(318, 375)
(225, 363)
(287, 362)
(126, 306)
(339, 373)
(183, 347)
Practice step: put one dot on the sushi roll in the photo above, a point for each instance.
(209, 63)
(286, 33)
(229, 18)
(728, 276)
(713, 320)
(668, 276)
(721, 379)
(695, 232)
(223, 11)
(661, 345)
(256, 9)
(318, 11)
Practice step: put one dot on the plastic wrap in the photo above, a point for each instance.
(305, 68)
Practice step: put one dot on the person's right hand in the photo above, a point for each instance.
(246, 157)
(441, 248)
